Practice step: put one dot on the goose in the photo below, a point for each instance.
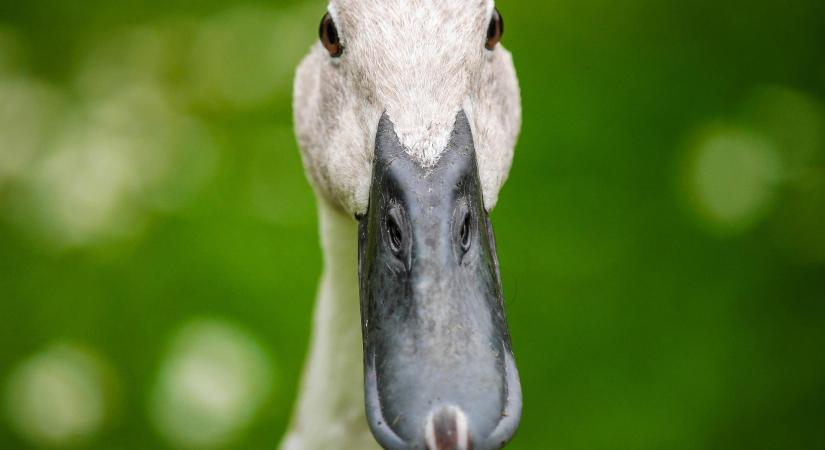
(406, 113)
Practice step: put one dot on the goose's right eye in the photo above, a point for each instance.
(495, 30)
(329, 36)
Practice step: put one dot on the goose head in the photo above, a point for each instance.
(407, 113)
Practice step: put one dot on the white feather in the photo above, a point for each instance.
(421, 61)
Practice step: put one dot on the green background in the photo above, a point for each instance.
(661, 235)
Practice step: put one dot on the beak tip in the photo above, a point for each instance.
(447, 426)
(446, 429)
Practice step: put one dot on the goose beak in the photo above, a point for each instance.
(439, 371)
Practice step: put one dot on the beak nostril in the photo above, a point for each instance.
(465, 232)
(394, 234)
(447, 429)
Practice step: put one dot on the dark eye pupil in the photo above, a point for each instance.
(495, 30)
(329, 36)
(492, 30)
(332, 33)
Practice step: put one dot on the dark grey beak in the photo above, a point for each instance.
(439, 370)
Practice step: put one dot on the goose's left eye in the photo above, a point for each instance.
(328, 34)
(495, 30)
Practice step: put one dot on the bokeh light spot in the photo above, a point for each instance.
(146, 54)
(28, 110)
(732, 175)
(240, 58)
(112, 162)
(58, 396)
(794, 121)
(214, 380)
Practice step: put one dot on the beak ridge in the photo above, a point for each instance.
(439, 370)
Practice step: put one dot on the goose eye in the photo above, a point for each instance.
(495, 30)
(329, 36)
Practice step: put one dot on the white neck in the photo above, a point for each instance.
(329, 413)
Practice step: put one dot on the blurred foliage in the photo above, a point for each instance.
(662, 235)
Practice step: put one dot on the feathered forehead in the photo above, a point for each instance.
(411, 36)
(417, 59)
(420, 62)
(394, 14)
